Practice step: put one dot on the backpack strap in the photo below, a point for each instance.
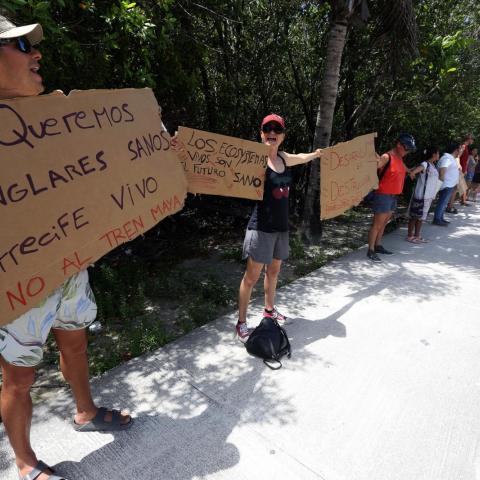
(275, 364)
(272, 364)
(426, 180)
(385, 167)
(287, 348)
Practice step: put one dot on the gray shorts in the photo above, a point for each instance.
(263, 247)
(384, 203)
(69, 307)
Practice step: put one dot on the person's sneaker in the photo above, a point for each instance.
(440, 223)
(452, 210)
(276, 315)
(382, 250)
(371, 255)
(242, 331)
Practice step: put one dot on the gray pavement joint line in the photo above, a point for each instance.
(230, 410)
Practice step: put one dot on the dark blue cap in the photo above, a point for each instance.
(407, 141)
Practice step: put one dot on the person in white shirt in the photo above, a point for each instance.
(449, 174)
(424, 193)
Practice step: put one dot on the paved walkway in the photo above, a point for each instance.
(383, 384)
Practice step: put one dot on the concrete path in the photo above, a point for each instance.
(383, 383)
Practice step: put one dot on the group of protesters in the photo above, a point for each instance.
(71, 308)
(453, 176)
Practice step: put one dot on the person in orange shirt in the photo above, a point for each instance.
(392, 171)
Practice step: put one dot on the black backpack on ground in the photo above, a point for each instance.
(270, 342)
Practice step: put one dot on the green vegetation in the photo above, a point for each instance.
(297, 247)
(144, 305)
(232, 252)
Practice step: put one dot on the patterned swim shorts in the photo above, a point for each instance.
(70, 307)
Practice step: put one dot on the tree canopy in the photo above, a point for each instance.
(222, 65)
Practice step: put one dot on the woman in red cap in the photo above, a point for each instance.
(266, 239)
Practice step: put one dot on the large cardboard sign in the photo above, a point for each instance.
(220, 165)
(348, 173)
(81, 174)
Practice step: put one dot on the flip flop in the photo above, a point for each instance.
(422, 240)
(412, 240)
(99, 424)
(38, 470)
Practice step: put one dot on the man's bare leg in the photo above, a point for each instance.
(74, 365)
(16, 409)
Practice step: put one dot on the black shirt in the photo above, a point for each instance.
(271, 214)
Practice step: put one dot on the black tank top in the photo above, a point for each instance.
(271, 214)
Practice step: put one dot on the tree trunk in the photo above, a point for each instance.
(209, 99)
(311, 227)
(349, 104)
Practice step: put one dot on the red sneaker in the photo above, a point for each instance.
(276, 315)
(242, 331)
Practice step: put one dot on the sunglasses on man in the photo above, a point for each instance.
(22, 43)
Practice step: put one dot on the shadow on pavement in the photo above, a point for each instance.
(186, 382)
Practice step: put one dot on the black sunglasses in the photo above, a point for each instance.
(22, 43)
(269, 127)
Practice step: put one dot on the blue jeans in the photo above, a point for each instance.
(443, 198)
(384, 203)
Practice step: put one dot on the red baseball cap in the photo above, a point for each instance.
(273, 118)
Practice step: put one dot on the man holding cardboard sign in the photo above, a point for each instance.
(68, 310)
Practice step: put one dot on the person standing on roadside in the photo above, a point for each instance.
(448, 173)
(425, 189)
(475, 185)
(392, 172)
(467, 143)
(266, 242)
(471, 167)
(459, 188)
(463, 160)
(68, 311)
